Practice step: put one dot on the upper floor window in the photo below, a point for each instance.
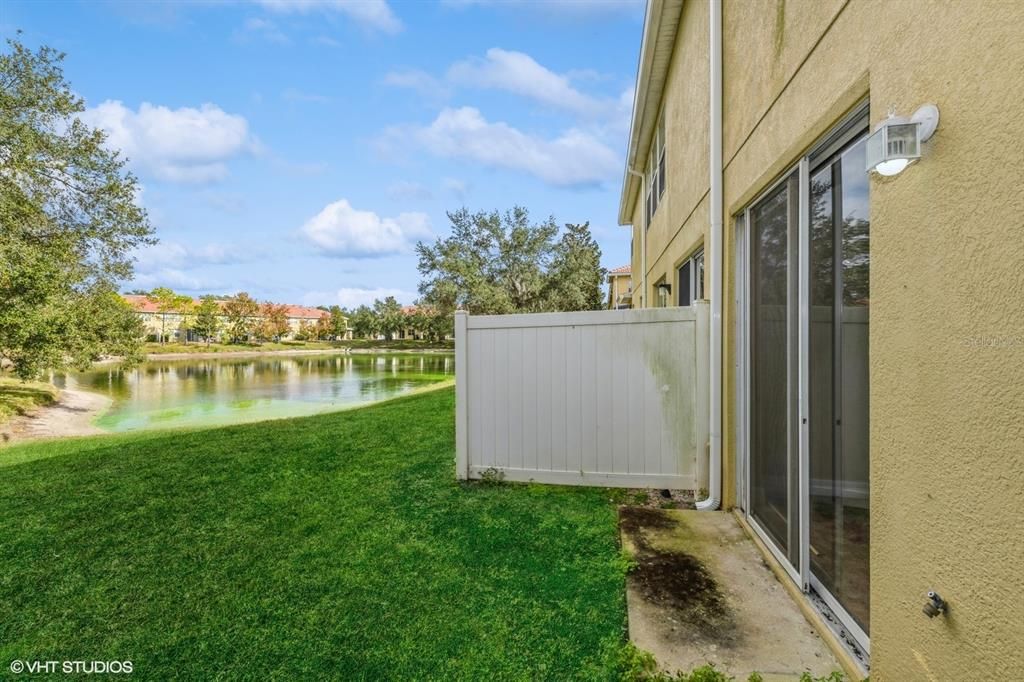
(656, 170)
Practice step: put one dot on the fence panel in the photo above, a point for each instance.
(615, 398)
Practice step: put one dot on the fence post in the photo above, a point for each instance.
(461, 395)
(701, 385)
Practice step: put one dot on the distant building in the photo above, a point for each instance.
(154, 320)
(620, 288)
(409, 332)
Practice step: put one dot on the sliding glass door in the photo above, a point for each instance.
(840, 263)
(805, 322)
(773, 472)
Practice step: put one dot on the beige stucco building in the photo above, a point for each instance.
(871, 327)
(168, 323)
(620, 288)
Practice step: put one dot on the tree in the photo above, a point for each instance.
(274, 321)
(390, 318)
(187, 311)
(168, 302)
(307, 330)
(442, 325)
(338, 322)
(364, 322)
(418, 321)
(575, 277)
(241, 311)
(207, 320)
(69, 222)
(496, 263)
(429, 323)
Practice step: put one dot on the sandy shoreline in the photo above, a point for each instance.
(71, 415)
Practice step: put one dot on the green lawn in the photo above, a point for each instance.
(18, 397)
(330, 546)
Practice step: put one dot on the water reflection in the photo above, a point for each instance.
(226, 390)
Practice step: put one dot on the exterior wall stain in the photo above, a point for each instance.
(667, 360)
(780, 26)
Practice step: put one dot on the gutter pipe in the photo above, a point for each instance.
(714, 498)
(643, 235)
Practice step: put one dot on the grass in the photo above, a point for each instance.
(331, 546)
(18, 397)
(271, 346)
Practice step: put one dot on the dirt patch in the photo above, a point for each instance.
(633, 520)
(653, 497)
(676, 581)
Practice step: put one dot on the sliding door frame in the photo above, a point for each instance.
(846, 132)
(745, 251)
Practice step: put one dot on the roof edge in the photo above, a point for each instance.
(645, 96)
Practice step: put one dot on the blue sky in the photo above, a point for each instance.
(298, 149)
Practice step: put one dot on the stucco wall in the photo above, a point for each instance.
(947, 287)
(947, 299)
(678, 227)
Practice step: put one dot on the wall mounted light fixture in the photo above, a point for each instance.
(896, 142)
(664, 288)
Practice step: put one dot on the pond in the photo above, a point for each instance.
(199, 392)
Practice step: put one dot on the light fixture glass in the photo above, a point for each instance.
(893, 167)
(896, 142)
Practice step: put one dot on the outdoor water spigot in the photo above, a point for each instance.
(935, 605)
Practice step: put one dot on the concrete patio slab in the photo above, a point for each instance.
(701, 593)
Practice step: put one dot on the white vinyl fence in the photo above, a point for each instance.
(613, 398)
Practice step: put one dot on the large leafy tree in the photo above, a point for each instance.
(207, 318)
(273, 321)
(169, 302)
(338, 322)
(418, 320)
(241, 311)
(364, 322)
(496, 263)
(575, 277)
(69, 222)
(390, 318)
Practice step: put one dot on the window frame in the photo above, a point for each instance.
(695, 277)
(654, 174)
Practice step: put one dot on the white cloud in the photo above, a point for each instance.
(353, 297)
(164, 255)
(520, 74)
(418, 81)
(326, 41)
(173, 278)
(171, 264)
(407, 190)
(228, 202)
(511, 71)
(343, 231)
(300, 168)
(460, 188)
(262, 29)
(175, 145)
(373, 14)
(573, 158)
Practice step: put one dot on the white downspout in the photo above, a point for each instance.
(714, 498)
(643, 236)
